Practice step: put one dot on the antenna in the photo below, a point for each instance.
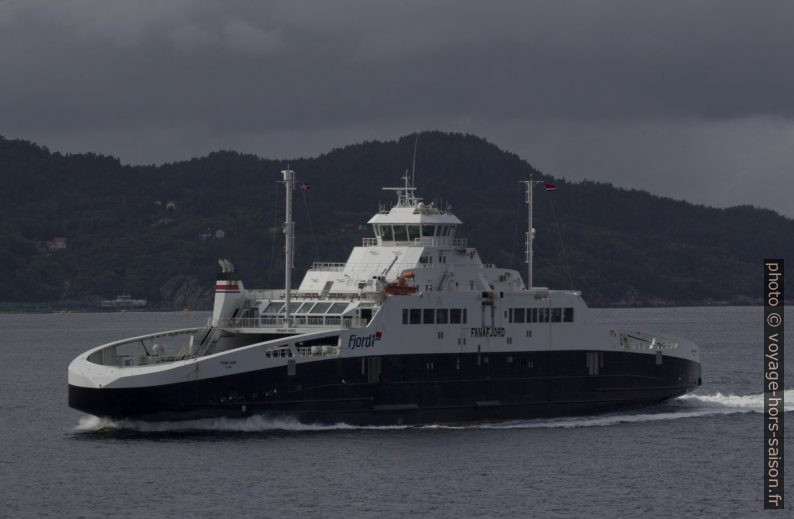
(413, 164)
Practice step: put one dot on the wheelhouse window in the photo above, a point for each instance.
(387, 233)
(400, 234)
(405, 316)
(428, 230)
(567, 315)
(556, 315)
(442, 316)
(455, 316)
(415, 316)
(413, 232)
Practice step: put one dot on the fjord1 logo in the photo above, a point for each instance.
(363, 342)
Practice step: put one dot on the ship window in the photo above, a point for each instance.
(464, 316)
(386, 232)
(532, 315)
(416, 316)
(556, 315)
(305, 308)
(293, 307)
(274, 308)
(429, 316)
(405, 316)
(320, 308)
(454, 316)
(543, 315)
(337, 308)
(518, 315)
(428, 230)
(399, 233)
(442, 315)
(567, 315)
(413, 232)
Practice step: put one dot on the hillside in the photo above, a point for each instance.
(152, 231)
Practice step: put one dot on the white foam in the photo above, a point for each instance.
(738, 402)
(688, 406)
(255, 423)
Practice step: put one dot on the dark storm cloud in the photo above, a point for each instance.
(637, 93)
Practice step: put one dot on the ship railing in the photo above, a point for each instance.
(327, 266)
(290, 349)
(644, 341)
(276, 295)
(320, 350)
(442, 242)
(155, 348)
(327, 321)
(425, 241)
(439, 242)
(279, 351)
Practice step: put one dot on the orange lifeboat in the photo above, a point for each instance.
(400, 287)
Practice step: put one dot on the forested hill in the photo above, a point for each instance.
(153, 231)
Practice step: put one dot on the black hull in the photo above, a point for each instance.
(413, 389)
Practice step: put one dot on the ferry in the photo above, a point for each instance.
(412, 329)
(123, 301)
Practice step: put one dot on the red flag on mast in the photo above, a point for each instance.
(549, 186)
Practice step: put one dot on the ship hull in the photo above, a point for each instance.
(413, 389)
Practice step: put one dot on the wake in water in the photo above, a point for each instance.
(255, 423)
(688, 406)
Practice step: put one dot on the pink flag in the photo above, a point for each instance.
(550, 187)
(304, 186)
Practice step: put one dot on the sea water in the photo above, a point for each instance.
(699, 455)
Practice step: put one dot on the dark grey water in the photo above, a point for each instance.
(696, 456)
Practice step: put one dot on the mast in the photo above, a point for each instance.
(530, 234)
(289, 246)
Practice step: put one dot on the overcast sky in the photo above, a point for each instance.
(693, 99)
